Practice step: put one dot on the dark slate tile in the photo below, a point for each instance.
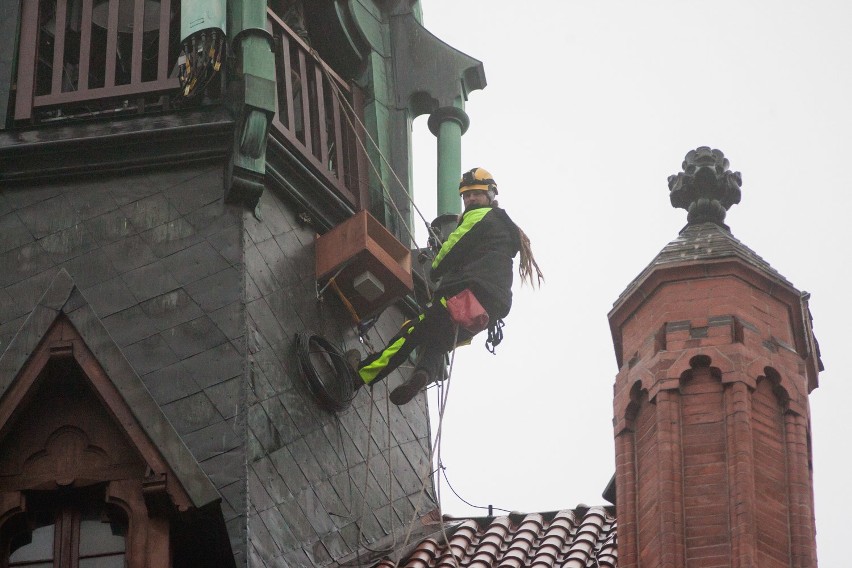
(28, 292)
(149, 281)
(150, 354)
(302, 411)
(170, 309)
(336, 507)
(150, 212)
(193, 337)
(229, 243)
(109, 297)
(287, 431)
(278, 373)
(410, 464)
(301, 256)
(297, 520)
(230, 320)
(259, 387)
(274, 485)
(371, 530)
(252, 292)
(318, 554)
(335, 545)
(261, 542)
(9, 308)
(255, 229)
(324, 452)
(170, 384)
(90, 268)
(259, 271)
(215, 439)
(226, 468)
(233, 496)
(194, 193)
(342, 443)
(314, 511)
(93, 199)
(129, 253)
(268, 326)
(24, 195)
(215, 365)
(275, 260)
(8, 330)
(23, 262)
(129, 326)
(213, 218)
(50, 216)
(258, 496)
(133, 188)
(350, 534)
(217, 290)
(5, 206)
(297, 558)
(194, 263)
(171, 237)
(263, 429)
(191, 413)
(68, 243)
(228, 397)
(306, 460)
(289, 470)
(14, 232)
(110, 227)
(277, 217)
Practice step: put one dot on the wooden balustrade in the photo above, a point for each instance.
(82, 53)
(316, 114)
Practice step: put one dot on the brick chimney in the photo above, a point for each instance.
(712, 424)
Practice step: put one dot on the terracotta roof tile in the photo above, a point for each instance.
(580, 538)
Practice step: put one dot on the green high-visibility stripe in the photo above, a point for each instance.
(470, 219)
(368, 372)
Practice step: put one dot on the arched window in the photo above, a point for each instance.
(75, 529)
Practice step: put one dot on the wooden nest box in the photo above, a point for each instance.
(370, 266)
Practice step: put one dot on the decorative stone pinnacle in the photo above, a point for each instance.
(706, 188)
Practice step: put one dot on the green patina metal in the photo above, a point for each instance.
(448, 124)
(252, 98)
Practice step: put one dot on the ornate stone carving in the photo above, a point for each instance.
(706, 188)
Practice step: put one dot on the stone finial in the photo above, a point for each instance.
(706, 188)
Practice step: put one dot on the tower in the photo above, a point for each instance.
(716, 360)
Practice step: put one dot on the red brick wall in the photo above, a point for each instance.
(711, 425)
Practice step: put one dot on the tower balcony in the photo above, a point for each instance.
(85, 60)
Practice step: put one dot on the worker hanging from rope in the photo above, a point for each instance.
(476, 260)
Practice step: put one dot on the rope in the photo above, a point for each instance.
(337, 396)
(349, 110)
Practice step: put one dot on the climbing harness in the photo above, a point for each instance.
(495, 336)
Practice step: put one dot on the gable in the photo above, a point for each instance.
(63, 332)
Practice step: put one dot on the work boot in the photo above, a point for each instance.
(353, 359)
(409, 389)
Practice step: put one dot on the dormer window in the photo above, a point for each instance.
(66, 529)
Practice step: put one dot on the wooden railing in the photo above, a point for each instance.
(75, 52)
(316, 115)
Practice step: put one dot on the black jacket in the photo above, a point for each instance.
(478, 255)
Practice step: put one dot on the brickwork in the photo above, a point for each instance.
(712, 420)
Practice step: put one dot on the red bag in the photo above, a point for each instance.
(466, 311)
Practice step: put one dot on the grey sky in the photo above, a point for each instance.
(590, 106)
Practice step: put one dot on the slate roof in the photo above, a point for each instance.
(579, 538)
(701, 242)
(63, 298)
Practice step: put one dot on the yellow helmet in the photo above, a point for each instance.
(477, 179)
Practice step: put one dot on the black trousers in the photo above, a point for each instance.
(433, 332)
